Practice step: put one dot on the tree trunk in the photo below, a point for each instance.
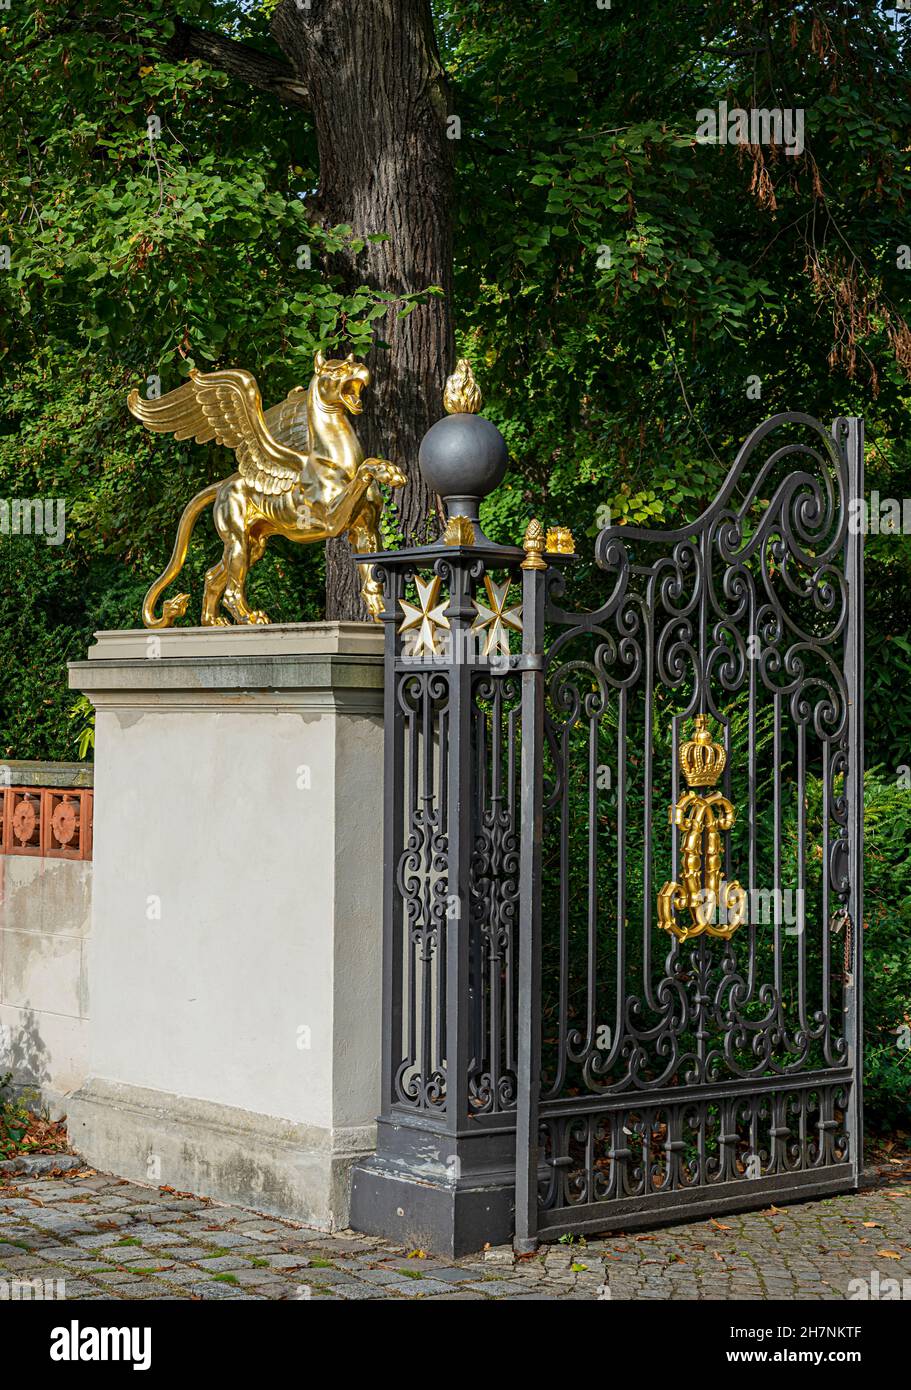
(378, 97)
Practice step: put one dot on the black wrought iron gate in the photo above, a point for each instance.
(689, 992)
(597, 1011)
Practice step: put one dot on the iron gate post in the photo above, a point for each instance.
(443, 1174)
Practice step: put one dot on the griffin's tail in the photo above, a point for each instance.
(176, 607)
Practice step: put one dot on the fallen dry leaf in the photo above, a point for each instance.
(889, 1254)
(719, 1225)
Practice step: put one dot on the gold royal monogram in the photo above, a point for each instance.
(701, 819)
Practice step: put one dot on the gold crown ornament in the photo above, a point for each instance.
(702, 760)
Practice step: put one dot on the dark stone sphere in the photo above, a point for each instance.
(463, 455)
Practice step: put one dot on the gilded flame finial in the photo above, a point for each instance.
(462, 395)
(533, 545)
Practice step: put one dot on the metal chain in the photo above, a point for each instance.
(841, 918)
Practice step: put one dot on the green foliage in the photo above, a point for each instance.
(83, 712)
(886, 932)
(133, 258)
(617, 283)
(622, 287)
(887, 970)
(14, 1118)
(153, 221)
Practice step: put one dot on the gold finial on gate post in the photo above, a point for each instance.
(559, 541)
(533, 545)
(462, 394)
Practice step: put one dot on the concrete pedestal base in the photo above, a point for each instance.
(236, 949)
(294, 1170)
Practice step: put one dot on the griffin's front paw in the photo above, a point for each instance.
(382, 471)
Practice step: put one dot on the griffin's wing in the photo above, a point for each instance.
(287, 421)
(227, 407)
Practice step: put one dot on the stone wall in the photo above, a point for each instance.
(236, 961)
(45, 923)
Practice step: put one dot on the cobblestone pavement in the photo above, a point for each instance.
(104, 1238)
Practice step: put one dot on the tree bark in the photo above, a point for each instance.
(377, 92)
(239, 60)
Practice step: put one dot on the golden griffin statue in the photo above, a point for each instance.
(301, 474)
(701, 819)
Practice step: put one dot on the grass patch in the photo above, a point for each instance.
(318, 1263)
(129, 1240)
(225, 1278)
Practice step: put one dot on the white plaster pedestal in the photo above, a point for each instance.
(236, 950)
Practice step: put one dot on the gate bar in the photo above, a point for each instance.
(852, 431)
(529, 1050)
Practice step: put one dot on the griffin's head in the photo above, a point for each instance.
(339, 382)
